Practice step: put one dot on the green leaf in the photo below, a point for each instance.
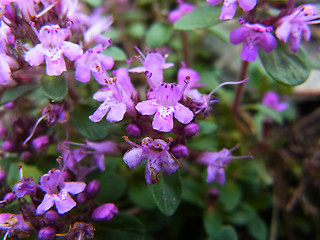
(113, 187)
(140, 195)
(211, 221)
(286, 67)
(14, 93)
(199, 18)
(116, 53)
(257, 228)
(193, 192)
(121, 227)
(55, 87)
(88, 129)
(267, 111)
(224, 233)
(158, 35)
(230, 195)
(167, 193)
(242, 215)
(93, 3)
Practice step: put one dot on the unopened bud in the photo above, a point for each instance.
(191, 129)
(9, 197)
(105, 212)
(51, 216)
(133, 130)
(92, 188)
(8, 146)
(180, 151)
(47, 233)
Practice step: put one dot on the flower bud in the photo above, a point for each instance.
(9, 197)
(133, 130)
(8, 146)
(47, 233)
(51, 216)
(3, 176)
(105, 212)
(191, 129)
(25, 155)
(40, 143)
(180, 151)
(93, 188)
(82, 198)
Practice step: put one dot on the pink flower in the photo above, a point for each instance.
(52, 48)
(253, 36)
(165, 106)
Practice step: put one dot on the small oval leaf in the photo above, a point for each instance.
(285, 67)
(116, 53)
(158, 35)
(14, 93)
(88, 129)
(122, 226)
(167, 193)
(224, 233)
(199, 18)
(55, 87)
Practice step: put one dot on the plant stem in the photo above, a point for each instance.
(185, 48)
(239, 89)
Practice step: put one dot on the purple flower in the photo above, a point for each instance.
(52, 48)
(190, 74)
(271, 100)
(57, 192)
(230, 6)
(53, 113)
(165, 106)
(253, 36)
(154, 64)
(182, 9)
(216, 162)
(294, 26)
(116, 102)
(93, 61)
(26, 186)
(157, 157)
(122, 75)
(14, 225)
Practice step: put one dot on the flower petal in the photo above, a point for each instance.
(249, 52)
(133, 157)
(82, 73)
(64, 203)
(268, 43)
(228, 10)
(55, 67)
(116, 112)
(71, 50)
(247, 5)
(46, 203)
(183, 114)
(238, 35)
(162, 123)
(35, 55)
(74, 187)
(100, 112)
(169, 163)
(283, 31)
(147, 107)
(213, 2)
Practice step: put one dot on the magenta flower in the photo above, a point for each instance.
(154, 64)
(165, 106)
(105, 212)
(52, 48)
(230, 6)
(116, 102)
(294, 26)
(157, 157)
(183, 8)
(57, 192)
(271, 100)
(252, 36)
(122, 75)
(93, 61)
(216, 162)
